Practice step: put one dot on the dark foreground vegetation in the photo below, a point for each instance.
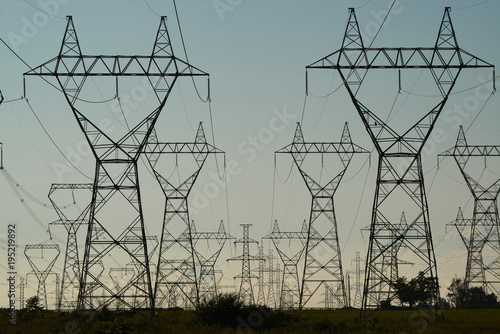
(226, 315)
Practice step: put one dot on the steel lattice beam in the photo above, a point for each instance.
(481, 234)
(116, 172)
(445, 61)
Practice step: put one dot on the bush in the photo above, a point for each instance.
(226, 310)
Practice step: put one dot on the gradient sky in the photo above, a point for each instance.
(255, 52)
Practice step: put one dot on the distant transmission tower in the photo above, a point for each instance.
(42, 269)
(271, 295)
(445, 60)
(177, 264)
(322, 236)
(246, 287)
(481, 234)
(290, 283)
(120, 278)
(261, 299)
(358, 285)
(207, 281)
(116, 182)
(71, 270)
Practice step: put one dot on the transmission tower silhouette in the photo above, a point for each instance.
(116, 182)
(271, 294)
(445, 61)
(322, 236)
(261, 299)
(246, 287)
(177, 262)
(120, 278)
(290, 283)
(358, 285)
(206, 260)
(71, 271)
(42, 258)
(481, 233)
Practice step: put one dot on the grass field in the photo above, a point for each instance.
(303, 322)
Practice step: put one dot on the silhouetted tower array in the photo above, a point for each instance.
(322, 228)
(178, 259)
(290, 283)
(480, 234)
(246, 287)
(41, 258)
(71, 270)
(206, 260)
(445, 60)
(116, 183)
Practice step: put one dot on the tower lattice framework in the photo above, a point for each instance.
(116, 181)
(445, 60)
(41, 273)
(481, 234)
(290, 282)
(71, 270)
(176, 274)
(246, 287)
(322, 236)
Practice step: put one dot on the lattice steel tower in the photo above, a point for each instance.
(246, 286)
(445, 60)
(481, 234)
(41, 273)
(290, 283)
(177, 263)
(71, 270)
(116, 182)
(322, 233)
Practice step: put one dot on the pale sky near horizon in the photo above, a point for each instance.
(255, 52)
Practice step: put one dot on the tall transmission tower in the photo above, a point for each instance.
(322, 236)
(120, 278)
(21, 292)
(71, 270)
(481, 233)
(42, 258)
(177, 261)
(116, 182)
(246, 287)
(290, 283)
(445, 60)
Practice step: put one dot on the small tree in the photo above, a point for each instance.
(456, 293)
(32, 304)
(417, 291)
(474, 297)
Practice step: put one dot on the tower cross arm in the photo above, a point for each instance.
(472, 151)
(400, 58)
(321, 147)
(181, 148)
(102, 65)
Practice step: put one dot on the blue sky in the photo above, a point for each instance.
(255, 52)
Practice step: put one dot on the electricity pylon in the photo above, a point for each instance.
(480, 234)
(290, 283)
(271, 295)
(116, 182)
(206, 260)
(42, 270)
(177, 260)
(358, 285)
(322, 236)
(71, 270)
(445, 60)
(246, 287)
